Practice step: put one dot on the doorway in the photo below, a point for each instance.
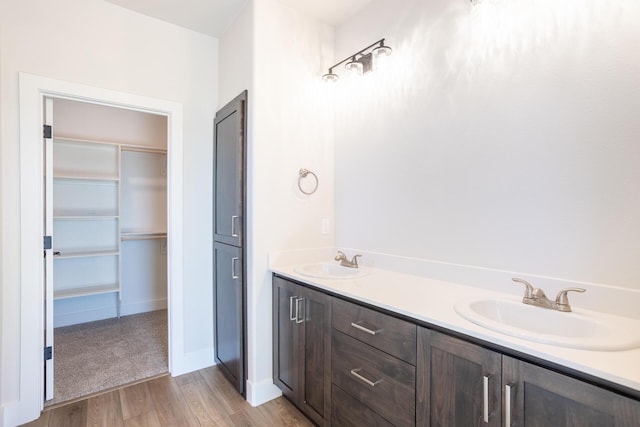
(33, 91)
(106, 219)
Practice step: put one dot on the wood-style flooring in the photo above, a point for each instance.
(200, 398)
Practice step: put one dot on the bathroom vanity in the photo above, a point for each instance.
(344, 358)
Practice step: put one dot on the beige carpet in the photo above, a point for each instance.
(96, 356)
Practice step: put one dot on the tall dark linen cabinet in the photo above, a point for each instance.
(229, 246)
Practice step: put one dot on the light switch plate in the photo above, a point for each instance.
(325, 225)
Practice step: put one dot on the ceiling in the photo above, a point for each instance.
(212, 17)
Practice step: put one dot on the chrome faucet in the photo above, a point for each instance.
(344, 261)
(536, 297)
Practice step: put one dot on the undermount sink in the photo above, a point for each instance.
(325, 270)
(578, 329)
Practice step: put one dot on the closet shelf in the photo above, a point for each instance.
(86, 290)
(143, 236)
(149, 150)
(84, 254)
(85, 178)
(123, 146)
(85, 217)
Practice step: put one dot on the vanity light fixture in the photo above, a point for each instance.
(360, 62)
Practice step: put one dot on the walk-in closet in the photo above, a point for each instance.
(106, 212)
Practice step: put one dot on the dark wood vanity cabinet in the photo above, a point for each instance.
(302, 347)
(344, 364)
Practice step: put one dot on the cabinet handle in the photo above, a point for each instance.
(233, 267)
(291, 315)
(233, 226)
(299, 320)
(355, 373)
(507, 404)
(485, 392)
(357, 325)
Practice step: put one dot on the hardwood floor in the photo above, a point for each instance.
(201, 398)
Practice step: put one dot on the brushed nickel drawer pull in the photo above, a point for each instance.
(300, 319)
(355, 373)
(291, 315)
(507, 404)
(357, 325)
(485, 393)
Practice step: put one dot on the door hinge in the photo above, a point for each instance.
(47, 242)
(48, 353)
(47, 131)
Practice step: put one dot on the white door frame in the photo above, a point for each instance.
(33, 89)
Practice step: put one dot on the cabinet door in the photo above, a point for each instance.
(286, 337)
(534, 396)
(301, 343)
(458, 383)
(228, 177)
(316, 347)
(229, 349)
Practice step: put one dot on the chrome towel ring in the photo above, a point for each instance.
(303, 174)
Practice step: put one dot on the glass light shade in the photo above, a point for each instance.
(354, 66)
(379, 56)
(330, 78)
(381, 51)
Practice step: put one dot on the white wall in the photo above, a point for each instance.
(2, 228)
(236, 59)
(289, 129)
(102, 45)
(82, 120)
(503, 135)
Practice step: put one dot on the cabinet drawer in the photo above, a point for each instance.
(384, 332)
(349, 412)
(374, 378)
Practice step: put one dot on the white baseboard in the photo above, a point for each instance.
(76, 317)
(262, 392)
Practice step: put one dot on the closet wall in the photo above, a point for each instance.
(110, 212)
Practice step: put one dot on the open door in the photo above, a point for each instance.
(48, 249)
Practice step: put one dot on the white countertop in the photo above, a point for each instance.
(432, 301)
